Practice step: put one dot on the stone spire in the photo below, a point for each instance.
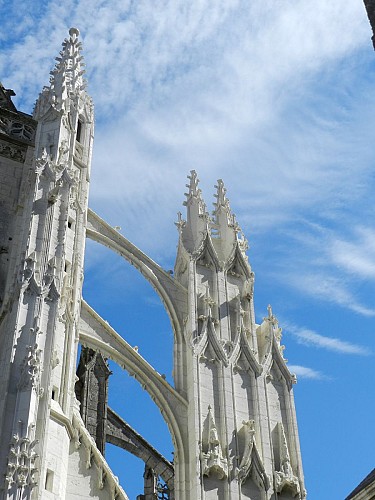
(66, 80)
(66, 103)
(67, 75)
(235, 368)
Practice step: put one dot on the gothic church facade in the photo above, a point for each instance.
(230, 413)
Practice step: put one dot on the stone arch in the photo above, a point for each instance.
(96, 333)
(172, 294)
(122, 435)
(165, 286)
(108, 427)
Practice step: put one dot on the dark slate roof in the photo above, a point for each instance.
(14, 124)
(5, 98)
(362, 485)
(370, 8)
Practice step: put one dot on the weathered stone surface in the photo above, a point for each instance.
(92, 392)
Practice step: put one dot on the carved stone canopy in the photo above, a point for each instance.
(213, 462)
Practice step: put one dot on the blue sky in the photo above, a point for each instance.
(275, 97)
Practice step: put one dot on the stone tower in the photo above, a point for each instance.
(230, 413)
(243, 439)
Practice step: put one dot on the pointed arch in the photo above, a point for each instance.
(97, 334)
(172, 294)
(168, 289)
(207, 247)
(237, 263)
(274, 356)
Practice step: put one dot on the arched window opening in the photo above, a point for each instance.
(79, 131)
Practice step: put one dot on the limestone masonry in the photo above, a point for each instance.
(230, 413)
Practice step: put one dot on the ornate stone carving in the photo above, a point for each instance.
(222, 203)
(54, 359)
(78, 151)
(209, 302)
(51, 281)
(21, 468)
(22, 131)
(89, 455)
(15, 126)
(76, 438)
(29, 267)
(50, 273)
(251, 461)
(213, 462)
(277, 331)
(16, 153)
(66, 82)
(63, 152)
(31, 370)
(181, 223)
(285, 476)
(195, 194)
(101, 477)
(248, 288)
(244, 467)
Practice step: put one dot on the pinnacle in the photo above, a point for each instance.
(222, 206)
(194, 195)
(222, 201)
(67, 75)
(193, 186)
(220, 194)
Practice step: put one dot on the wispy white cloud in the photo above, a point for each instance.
(241, 92)
(305, 372)
(311, 338)
(325, 285)
(339, 260)
(356, 256)
(228, 47)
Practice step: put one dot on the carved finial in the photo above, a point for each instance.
(269, 309)
(208, 300)
(180, 222)
(194, 192)
(195, 228)
(193, 185)
(222, 213)
(74, 33)
(222, 202)
(271, 318)
(277, 331)
(220, 194)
